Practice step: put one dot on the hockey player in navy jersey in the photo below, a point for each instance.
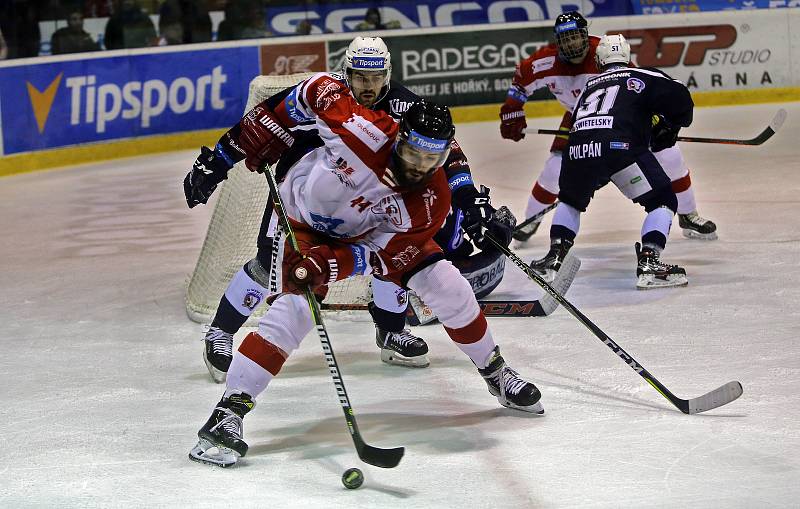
(396, 173)
(367, 72)
(563, 67)
(621, 117)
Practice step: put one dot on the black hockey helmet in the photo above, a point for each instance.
(423, 142)
(572, 36)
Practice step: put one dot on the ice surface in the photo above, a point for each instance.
(105, 387)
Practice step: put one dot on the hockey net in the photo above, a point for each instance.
(232, 232)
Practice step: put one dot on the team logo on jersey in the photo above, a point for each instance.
(252, 299)
(636, 85)
(343, 172)
(326, 225)
(405, 257)
(391, 209)
(328, 93)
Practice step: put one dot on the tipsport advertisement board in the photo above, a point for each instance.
(338, 17)
(458, 68)
(69, 102)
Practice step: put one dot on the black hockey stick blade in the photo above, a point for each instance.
(375, 456)
(536, 217)
(767, 133)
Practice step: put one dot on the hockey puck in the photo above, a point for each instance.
(352, 478)
(301, 273)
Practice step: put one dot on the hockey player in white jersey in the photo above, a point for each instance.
(563, 67)
(367, 70)
(370, 199)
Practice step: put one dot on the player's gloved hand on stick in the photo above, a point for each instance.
(662, 135)
(311, 271)
(480, 216)
(263, 138)
(208, 170)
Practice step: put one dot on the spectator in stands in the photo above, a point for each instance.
(3, 48)
(19, 22)
(129, 27)
(244, 19)
(184, 22)
(303, 27)
(98, 8)
(372, 21)
(72, 38)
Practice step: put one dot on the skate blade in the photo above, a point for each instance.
(216, 375)
(536, 408)
(391, 357)
(210, 454)
(651, 282)
(691, 234)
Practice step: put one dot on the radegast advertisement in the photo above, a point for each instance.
(70, 102)
(336, 17)
(455, 68)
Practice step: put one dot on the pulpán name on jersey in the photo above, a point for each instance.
(584, 150)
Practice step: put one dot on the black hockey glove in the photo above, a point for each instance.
(480, 217)
(208, 170)
(662, 135)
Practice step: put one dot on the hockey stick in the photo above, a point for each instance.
(385, 458)
(767, 133)
(509, 308)
(718, 397)
(536, 217)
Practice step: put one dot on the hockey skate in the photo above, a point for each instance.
(653, 273)
(218, 353)
(511, 390)
(697, 227)
(402, 348)
(220, 439)
(548, 266)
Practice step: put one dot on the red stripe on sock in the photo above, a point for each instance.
(682, 184)
(542, 195)
(262, 352)
(472, 333)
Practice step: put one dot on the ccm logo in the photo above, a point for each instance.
(664, 47)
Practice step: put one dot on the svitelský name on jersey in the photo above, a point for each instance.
(603, 122)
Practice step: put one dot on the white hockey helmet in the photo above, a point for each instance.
(368, 54)
(613, 49)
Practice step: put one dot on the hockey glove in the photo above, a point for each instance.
(477, 209)
(311, 271)
(263, 138)
(501, 227)
(512, 116)
(208, 170)
(662, 135)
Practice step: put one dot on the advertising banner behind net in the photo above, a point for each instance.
(457, 68)
(69, 102)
